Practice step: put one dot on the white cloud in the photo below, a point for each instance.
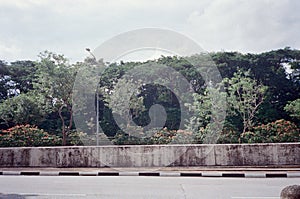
(246, 25)
(9, 50)
(69, 26)
(21, 4)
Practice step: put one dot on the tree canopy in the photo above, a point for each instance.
(260, 89)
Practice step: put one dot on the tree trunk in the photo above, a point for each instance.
(63, 130)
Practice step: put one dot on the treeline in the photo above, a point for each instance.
(262, 93)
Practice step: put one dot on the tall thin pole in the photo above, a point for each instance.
(97, 103)
(97, 115)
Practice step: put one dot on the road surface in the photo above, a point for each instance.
(67, 187)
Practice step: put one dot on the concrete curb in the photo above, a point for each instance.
(158, 174)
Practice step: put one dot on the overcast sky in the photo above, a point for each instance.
(69, 26)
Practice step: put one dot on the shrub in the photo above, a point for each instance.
(163, 136)
(76, 138)
(27, 136)
(229, 135)
(125, 139)
(278, 131)
(183, 137)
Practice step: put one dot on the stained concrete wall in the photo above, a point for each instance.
(153, 155)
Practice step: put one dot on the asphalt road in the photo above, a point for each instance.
(141, 187)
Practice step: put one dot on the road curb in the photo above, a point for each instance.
(158, 173)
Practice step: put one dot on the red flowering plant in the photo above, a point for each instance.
(278, 131)
(229, 134)
(27, 136)
(164, 136)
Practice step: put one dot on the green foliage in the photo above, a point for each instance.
(229, 134)
(245, 95)
(85, 92)
(163, 136)
(206, 108)
(27, 136)
(22, 109)
(22, 73)
(16, 77)
(54, 84)
(268, 68)
(125, 139)
(79, 139)
(293, 108)
(40, 92)
(278, 131)
(4, 79)
(123, 104)
(55, 78)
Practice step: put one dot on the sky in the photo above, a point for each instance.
(68, 27)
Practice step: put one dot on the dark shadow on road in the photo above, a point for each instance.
(13, 196)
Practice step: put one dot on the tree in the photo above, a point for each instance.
(209, 111)
(270, 69)
(16, 78)
(21, 109)
(54, 84)
(22, 73)
(19, 102)
(4, 79)
(245, 95)
(40, 92)
(293, 108)
(125, 102)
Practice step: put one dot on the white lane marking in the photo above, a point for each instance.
(255, 197)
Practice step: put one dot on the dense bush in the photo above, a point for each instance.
(163, 136)
(229, 135)
(76, 138)
(274, 132)
(27, 136)
(30, 136)
(278, 131)
(125, 139)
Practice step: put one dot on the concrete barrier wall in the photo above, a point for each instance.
(153, 155)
